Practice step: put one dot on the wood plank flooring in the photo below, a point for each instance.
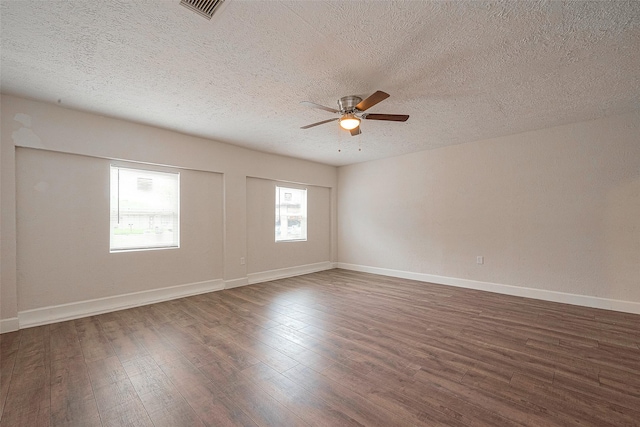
(335, 348)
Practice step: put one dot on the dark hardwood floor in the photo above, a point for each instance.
(335, 348)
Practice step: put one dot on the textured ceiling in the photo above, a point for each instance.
(464, 71)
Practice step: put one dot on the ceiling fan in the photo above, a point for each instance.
(352, 109)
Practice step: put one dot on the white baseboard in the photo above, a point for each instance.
(282, 273)
(9, 325)
(236, 283)
(541, 294)
(75, 310)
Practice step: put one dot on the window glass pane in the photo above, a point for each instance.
(145, 209)
(291, 214)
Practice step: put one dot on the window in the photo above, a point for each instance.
(291, 214)
(145, 209)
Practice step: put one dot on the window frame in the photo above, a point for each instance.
(175, 244)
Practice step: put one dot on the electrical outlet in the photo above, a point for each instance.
(242, 261)
(480, 260)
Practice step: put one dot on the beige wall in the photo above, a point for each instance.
(264, 253)
(8, 290)
(50, 128)
(555, 209)
(63, 251)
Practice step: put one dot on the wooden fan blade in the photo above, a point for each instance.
(355, 131)
(319, 123)
(390, 117)
(372, 100)
(318, 106)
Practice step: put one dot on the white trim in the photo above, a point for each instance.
(236, 283)
(282, 273)
(9, 325)
(520, 291)
(75, 310)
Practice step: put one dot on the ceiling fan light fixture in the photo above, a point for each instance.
(349, 121)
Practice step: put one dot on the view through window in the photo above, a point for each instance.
(291, 214)
(145, 209)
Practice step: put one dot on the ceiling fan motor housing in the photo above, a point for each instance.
(347, 104)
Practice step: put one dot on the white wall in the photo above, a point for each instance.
(82, 144)
(554, 212)
(264, 253)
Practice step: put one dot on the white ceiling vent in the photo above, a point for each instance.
(205, 8)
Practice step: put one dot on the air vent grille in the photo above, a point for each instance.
(205, 8)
